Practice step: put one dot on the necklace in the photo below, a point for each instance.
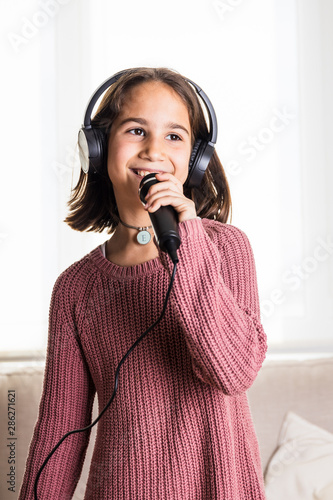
(143, 237)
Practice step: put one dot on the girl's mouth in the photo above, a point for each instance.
(142, 173)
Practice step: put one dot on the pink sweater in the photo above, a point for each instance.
(180, 427)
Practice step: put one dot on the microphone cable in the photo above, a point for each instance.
(130, 350)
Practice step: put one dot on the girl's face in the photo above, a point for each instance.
(152, 133)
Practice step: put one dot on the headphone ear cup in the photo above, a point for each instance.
(193, 163)
(193, 156)
(200, 157)
(97, 151)
(92, 149)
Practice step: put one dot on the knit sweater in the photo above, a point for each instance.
(180, 426)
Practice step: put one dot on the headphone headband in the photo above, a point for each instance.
(92, 141)
(211, 112)
(96, 95)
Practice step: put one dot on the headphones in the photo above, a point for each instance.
(92, 141)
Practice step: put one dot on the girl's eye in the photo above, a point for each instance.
(137, 131)
(174, 137)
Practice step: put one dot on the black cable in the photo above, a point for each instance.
(115, 383)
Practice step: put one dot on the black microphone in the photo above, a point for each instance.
(164, 221)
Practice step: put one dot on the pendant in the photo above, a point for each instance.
(143, 237)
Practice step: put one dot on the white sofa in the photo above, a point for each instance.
(302, 386)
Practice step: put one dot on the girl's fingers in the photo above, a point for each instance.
(169, 191)
(178, 204)
(160, 189)
(172, 196)
(183, 206)
(167, 181)
(167, 176)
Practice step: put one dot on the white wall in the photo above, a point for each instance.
(267, 67)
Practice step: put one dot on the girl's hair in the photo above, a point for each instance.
(92, 204)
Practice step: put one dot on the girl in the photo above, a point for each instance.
(180, 426)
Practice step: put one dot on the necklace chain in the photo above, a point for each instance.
(135, 227)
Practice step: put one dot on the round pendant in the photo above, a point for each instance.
(143, 237)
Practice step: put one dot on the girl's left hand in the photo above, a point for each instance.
(169, 191)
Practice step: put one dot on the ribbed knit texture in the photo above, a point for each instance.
(180, 427)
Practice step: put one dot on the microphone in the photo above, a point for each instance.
(164, 221)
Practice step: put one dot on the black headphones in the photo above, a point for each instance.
(92, 141)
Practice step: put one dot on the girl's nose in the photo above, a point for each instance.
(152, 149)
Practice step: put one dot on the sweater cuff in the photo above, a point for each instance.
(190, 232)
(191, 229)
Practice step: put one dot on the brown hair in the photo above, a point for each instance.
(92, 204)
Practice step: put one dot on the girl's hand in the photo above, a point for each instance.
(169, 191)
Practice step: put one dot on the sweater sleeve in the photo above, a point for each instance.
(215, 299)
(65, 405)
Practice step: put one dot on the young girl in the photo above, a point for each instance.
(179, 427)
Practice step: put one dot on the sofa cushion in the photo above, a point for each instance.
(326, 493)
(302, 466)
